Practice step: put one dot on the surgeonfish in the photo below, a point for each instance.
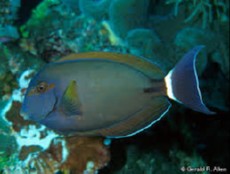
(109, 94)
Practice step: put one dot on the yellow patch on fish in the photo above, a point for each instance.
(70, 102)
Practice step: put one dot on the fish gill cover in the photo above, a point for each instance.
(161, 31)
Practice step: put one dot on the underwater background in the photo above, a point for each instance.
(34, 33)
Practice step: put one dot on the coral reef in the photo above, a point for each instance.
(143, 42)
(79, 33)
(8, 14)
(157, 162)
(6, 75)
(197, 37)
(69, 6)
(8, 11)
(123, 20)
(8, 33)
(97, 9)
(208, 10)
(7, 146)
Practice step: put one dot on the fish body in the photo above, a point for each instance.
(106, 94)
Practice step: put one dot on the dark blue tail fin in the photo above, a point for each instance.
(183, 84)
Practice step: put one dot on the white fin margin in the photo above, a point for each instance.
(169, 88)
(146, 127)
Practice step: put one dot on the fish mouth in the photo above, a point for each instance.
(26, 116)
(54, 108)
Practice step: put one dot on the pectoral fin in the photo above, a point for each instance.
(70, 103)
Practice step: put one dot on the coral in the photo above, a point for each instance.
(42, 10)
(127, 15)
(48, 43)
(113, 38)
(72, 155)
(7, 78)
(97, 9)
(53, 46)
(186, 161)
(8, 11)
(8, 145)
(8, 86)
(221, 56)
(209, 10)
(28, 45)
(143, 42)
(87, 34)
(156, 162)
(64, 32)
(176, 5)
(8, 33)
(13, 62)
(86, 150)
(13, 116)
(196, 37)
(41, 15)
(71, 4)
(69, 33)
(3, 56)
(8, 15)
(140, 162)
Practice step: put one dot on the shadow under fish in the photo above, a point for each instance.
(109, 94)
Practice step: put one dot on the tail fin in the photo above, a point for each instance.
(183, 85)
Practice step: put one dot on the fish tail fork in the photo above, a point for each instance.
(183, 85)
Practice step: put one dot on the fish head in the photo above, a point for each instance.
(40, 99)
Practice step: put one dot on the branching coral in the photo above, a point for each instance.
(208, 10)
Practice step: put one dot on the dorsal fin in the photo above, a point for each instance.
(138, 63)
(70, 103)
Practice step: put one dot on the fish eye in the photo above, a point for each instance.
(41, 87)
